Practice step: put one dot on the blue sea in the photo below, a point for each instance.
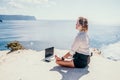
(41, 34)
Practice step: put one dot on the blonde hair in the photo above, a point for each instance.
(84, 23)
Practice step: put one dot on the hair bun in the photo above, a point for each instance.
(83, 21)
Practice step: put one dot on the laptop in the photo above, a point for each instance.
(49, 52)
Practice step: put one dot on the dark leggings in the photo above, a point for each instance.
(81, 60)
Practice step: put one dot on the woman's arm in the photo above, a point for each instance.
(75, 45)
(67, 55)
(63, 58)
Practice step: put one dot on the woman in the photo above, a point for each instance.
(80, 48)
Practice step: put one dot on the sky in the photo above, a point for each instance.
(97, 11)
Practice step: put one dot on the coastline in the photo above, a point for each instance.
(29, 65)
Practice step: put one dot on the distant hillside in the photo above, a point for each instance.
(16, 17)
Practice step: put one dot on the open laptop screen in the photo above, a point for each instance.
(49, 52)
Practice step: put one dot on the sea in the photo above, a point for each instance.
(41, 34)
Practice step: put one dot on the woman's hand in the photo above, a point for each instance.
(57, 58)
(67, 55)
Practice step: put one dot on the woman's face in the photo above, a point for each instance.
(78, 26)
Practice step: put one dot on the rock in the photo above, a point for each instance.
(1, 20)
(14, 46)
(95, 51)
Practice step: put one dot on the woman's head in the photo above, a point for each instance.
(82, 24)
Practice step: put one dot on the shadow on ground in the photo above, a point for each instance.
(70, 73)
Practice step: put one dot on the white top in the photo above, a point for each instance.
(81, 44)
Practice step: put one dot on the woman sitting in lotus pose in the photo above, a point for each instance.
(80, 48)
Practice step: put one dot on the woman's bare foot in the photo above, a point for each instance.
(57, 58)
